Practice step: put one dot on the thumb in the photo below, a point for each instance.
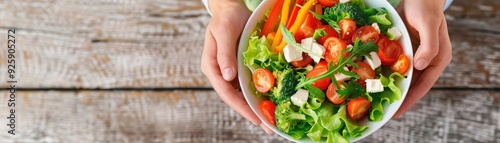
(429, 45)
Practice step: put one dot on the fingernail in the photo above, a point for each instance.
(227, 74)
(263, 126)
(421, 64)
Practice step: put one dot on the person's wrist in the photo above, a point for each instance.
(216, 7)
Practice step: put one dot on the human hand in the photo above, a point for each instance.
(428, 30)
(218, 61)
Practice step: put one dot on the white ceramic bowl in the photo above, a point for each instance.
(245, 75)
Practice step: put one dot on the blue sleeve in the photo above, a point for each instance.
(205, 2)
(447, 4)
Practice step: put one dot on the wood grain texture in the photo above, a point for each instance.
(474, 29)
(157, 43)
(200, 116)
(104, 44)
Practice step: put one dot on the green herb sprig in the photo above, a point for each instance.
(357, 51)
(290, 40)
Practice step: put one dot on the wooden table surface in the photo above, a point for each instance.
(128, 71)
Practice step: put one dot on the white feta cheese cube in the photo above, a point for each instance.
(307, 42)
(344, 1)
(318, 49)
(374, 85)
(342, 77)
(300, 97)
(375, 25)
(291, 54)
(394, 31)
(374, 62)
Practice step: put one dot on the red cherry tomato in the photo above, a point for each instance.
(388, 51)
(358, 108)
(321, 64)
(364, 71)
(334, 47)
(322, 83)
(330, 32)
(347, 28)
(263, 80)
(267, 107)
(332, 94)
(307, 28)
(402, 64)
(306, 60)
(365, 34)
(328, 3)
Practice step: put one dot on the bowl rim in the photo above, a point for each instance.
(243, 71)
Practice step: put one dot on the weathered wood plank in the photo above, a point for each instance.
(200, 116)
(89, 44)
(474, 29)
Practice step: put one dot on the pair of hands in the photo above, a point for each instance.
(424, 19)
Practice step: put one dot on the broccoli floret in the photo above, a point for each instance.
(346, 10)
(285, 85)
(286, 117)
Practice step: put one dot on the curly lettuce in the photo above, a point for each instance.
(391, 93)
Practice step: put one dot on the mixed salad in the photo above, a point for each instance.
(324, 65)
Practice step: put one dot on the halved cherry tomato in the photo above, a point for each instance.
(365, 72)
(388, 51)
(267, 107)
(347, 28)
(307, 28)
(330, 32)
(332, 94)
(358, 108)
(402, 64)
(328, 3)
(322, 83)
(334, 47)
(306, 60)
(321, 64)
(263, 80)
(365, 34)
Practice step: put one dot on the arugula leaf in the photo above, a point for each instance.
(330, 22)
(352, 90)
(315, 92)
(359, 49)
(290, 40)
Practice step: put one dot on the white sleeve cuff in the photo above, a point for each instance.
(205, 2)
(447, 4)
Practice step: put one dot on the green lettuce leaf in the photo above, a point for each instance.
(316, 132)
(381, 17)
(390, 94)
(335, 137)
(352, 129)
(258, 55)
